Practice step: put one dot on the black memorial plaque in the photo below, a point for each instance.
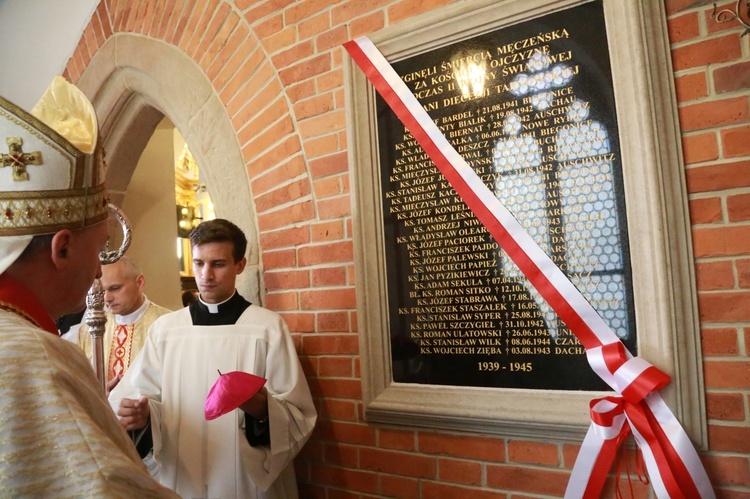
(530, 107)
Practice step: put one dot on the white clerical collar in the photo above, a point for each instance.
(133, 316)
(213, 308)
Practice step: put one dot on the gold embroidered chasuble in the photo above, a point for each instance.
(59, 437)
(122, 342)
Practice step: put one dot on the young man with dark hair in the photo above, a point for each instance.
(249, 451)
(220, 231)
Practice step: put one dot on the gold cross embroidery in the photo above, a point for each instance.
(19, 159)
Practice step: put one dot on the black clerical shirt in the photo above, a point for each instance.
(228, 312)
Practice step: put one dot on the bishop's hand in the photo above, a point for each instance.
(133, 414)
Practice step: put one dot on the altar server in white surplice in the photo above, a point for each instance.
(248, 452)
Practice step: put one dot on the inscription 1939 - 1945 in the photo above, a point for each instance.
(530, 107)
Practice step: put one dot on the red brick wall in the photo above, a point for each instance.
(712, 77)
(293, 138)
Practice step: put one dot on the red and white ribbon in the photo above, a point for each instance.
(599, 448)
(671, 459)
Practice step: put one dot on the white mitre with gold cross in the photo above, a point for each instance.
(51, 169)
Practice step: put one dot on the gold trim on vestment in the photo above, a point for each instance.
(49, 133)
(19, 312)
(45, 212)
(76, 164)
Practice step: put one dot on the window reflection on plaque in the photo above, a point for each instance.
(530, 107)
(441, 346)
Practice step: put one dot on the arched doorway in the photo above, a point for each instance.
(134, 82)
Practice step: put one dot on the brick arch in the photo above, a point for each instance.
(131, 95)
(236, 59)
(224, 47)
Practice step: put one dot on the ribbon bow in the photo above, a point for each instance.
(640, 410)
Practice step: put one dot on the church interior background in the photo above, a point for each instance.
(250, 93)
